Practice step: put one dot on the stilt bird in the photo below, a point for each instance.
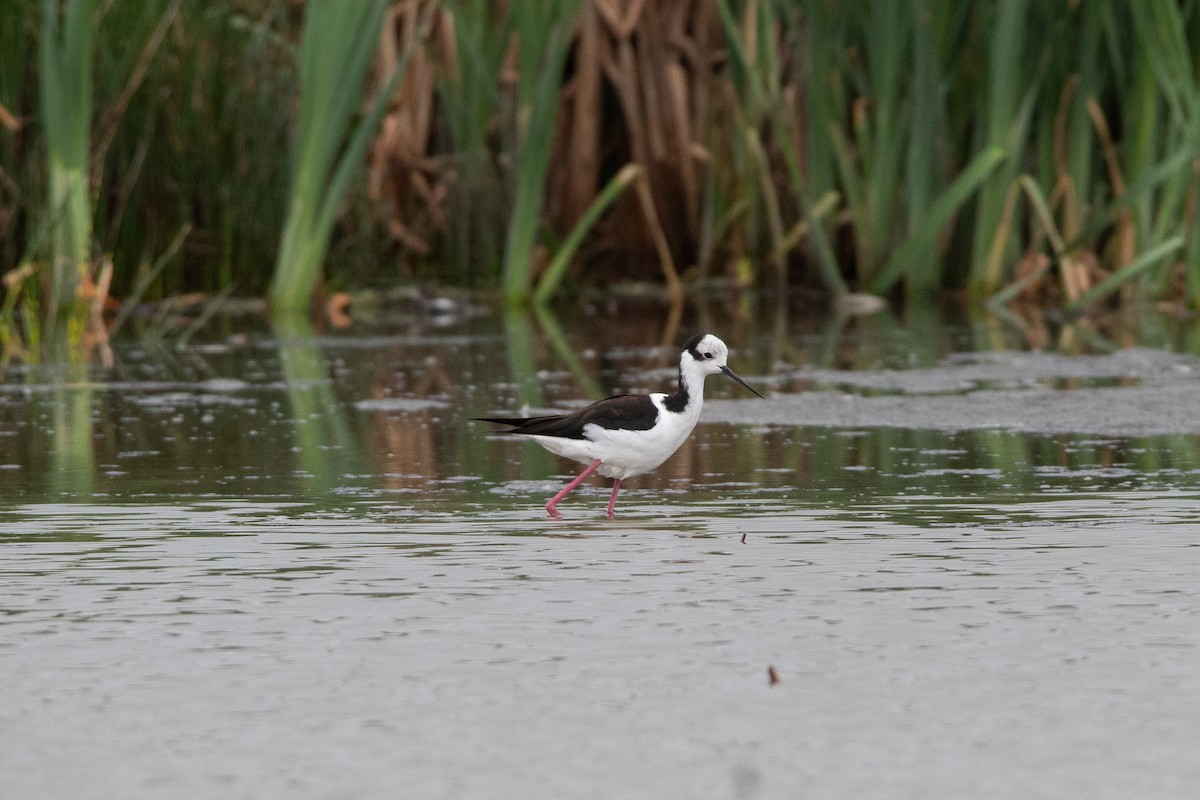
(629, 434)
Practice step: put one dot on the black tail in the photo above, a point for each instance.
(568, 425)
(516, 423)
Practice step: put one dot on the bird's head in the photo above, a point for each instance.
(706, 354)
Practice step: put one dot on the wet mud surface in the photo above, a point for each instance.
(1130, 393)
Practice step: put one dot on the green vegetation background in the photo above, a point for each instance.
(1043, 152)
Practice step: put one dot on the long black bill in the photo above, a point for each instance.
(737, 378)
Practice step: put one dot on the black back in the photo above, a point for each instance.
(629, 412)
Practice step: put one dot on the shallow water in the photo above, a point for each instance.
(282, 566)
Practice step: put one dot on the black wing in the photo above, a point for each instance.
(631, 412)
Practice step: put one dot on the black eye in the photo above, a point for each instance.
(708, 355)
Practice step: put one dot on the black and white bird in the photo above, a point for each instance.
(629, 434)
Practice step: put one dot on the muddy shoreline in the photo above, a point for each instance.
(1147, 392)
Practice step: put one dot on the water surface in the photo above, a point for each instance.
(283, 565)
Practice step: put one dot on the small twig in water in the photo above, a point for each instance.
(772, 676)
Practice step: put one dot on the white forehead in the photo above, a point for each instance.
(711, 344)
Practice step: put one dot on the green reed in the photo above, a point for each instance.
(765, 131)
(203, 143)
(335, 51)
(67, 46)
(471, 97)
(1015, 149)
(876, 130)
(556, 269)
(543, 30)
(953, 167)
(500, 180)
(185, 133)
(1166, 45)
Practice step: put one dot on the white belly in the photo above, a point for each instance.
(624, 454)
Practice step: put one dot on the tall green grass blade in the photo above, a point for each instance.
(335, 50)
(921, 156)
(1045, 218)
(66, 54)
(1140, 193)
(856, 192)
(1080, 139)
(1161, 25)
(822, 208)
(1123, 276)
(888, 34)
(1141, 117)
(1003, 115)
(930, 151)
(825, 258)
(1041, 210)
(148, 277)
(904, 259)
(543, 34)
(818, 35)
(1162, 28)
(206, 313)
(557, 268)
(747, 75)
(471, 101)
(759, 79)
(770, 207)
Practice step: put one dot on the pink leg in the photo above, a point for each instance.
(612, 501)
(553, 501)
